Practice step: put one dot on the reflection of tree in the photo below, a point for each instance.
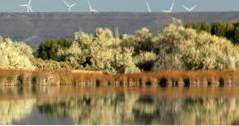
(198, 111)
(14, 109)
(108, 109)
(133, 109)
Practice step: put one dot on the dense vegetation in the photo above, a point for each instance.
(183, 48)
(15, 55)
(229, 30)
(175, 48)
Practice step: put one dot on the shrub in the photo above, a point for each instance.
(145, 60)
(51, 65)
(15, 55)
(141, 40)
(180, 48)
(99, 52)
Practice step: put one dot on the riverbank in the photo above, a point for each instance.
(95, 79)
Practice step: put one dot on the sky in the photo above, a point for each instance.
(120, 5)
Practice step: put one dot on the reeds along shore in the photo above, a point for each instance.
(187, 79)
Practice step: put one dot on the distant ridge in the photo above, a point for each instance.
(38, 26)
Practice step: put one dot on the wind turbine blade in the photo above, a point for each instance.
(23, 5)
(186, 8)
(172, 5)
(189, 9)
(165, 11)
(195, 6)
(65, 3)
(73, 5)
(89, 4)
(30, 9)
(74, 1)
(148, 7)
(29, 2)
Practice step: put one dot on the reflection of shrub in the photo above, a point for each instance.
(2, 80)
(134, 109)
(12, 79)
(15, 109)
(15, 55)
(100, 109)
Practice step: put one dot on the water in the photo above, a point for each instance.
(70, 105)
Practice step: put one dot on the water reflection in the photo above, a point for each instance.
(115, 108)
(15, 109)
(133, 109)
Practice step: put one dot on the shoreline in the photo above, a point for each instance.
(97, 79)
(53, 92)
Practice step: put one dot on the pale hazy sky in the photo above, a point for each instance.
(120, 5)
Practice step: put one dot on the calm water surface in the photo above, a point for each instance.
(68, 105)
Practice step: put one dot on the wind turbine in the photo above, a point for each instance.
(69, 6)
(148, 7)
(90, 8)
(28, 6)
(189, 9)
(171, 8)
(116, 30)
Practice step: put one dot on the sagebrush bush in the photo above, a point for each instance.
(145, 60)
(140, 41)
(15, 55)
(175, 48)
(101, 51)
(180, 48)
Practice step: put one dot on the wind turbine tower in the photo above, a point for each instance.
(27, 6)
(171, 8)
(116, 30)
(69, 6)
(148, 7)
(91, 8)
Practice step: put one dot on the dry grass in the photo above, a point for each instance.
(226, 78)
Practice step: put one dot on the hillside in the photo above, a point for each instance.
(35, 27)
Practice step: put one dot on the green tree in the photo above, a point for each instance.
(229, 31)
(49, 49)
(236, 35)
(218, 29)
(201, 26)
